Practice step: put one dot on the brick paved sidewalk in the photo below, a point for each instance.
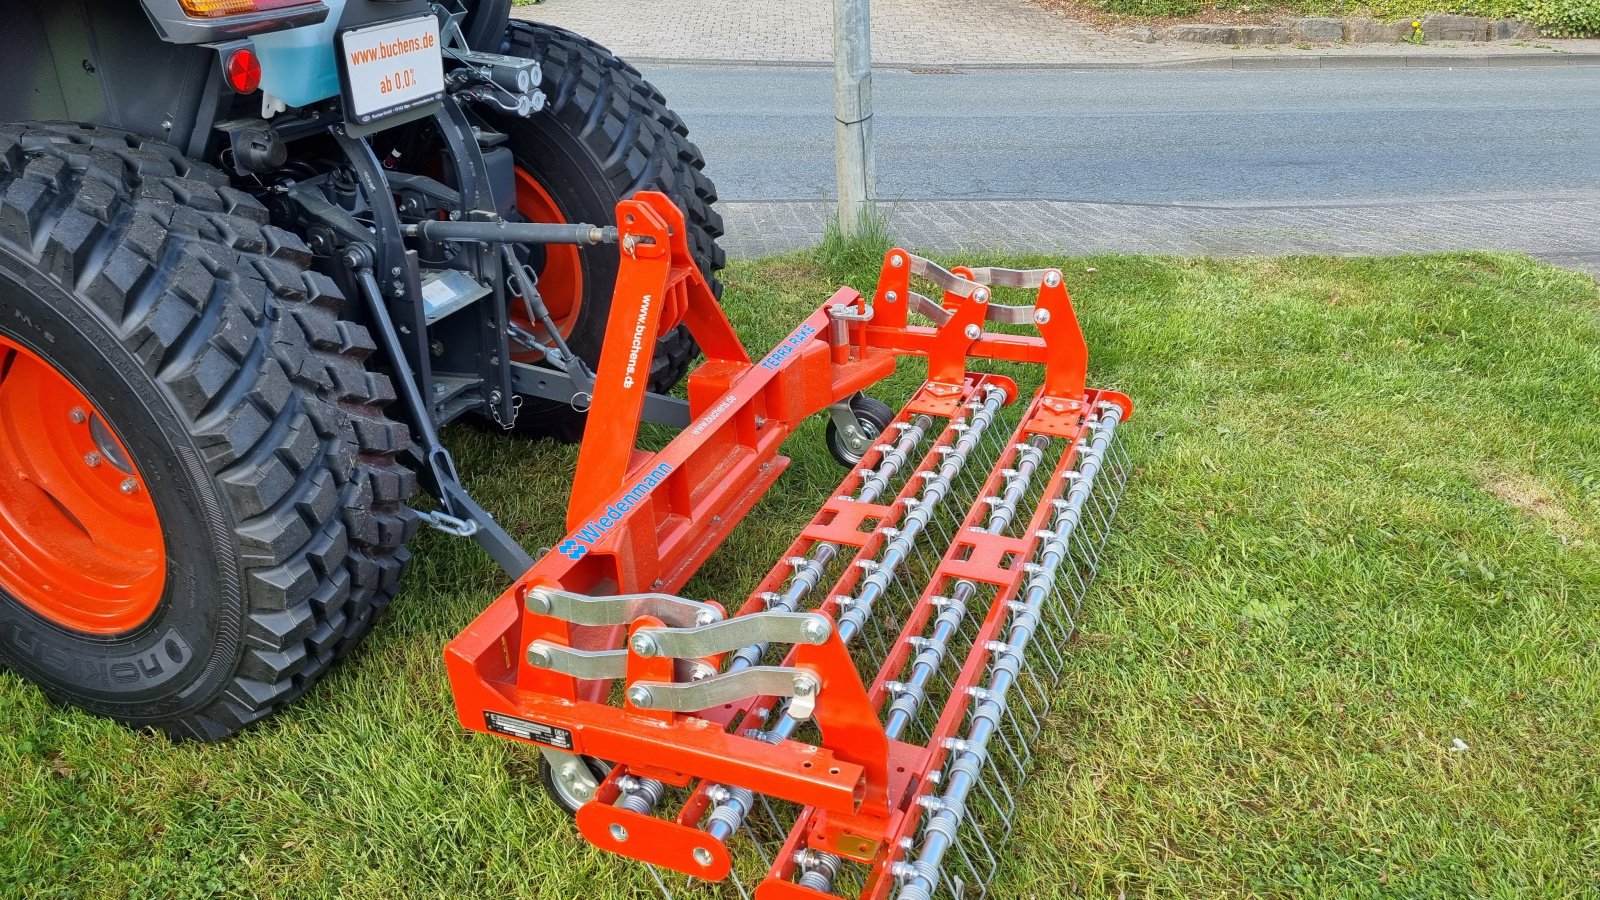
(960, 33)
(1559, 229)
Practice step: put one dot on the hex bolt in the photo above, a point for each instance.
(973, 331)
(129, 485)
(981, 297)
(816, 629)
(575, 778)
(705, 617)
(1042, 316)
(91, 459)
(1052, 278)
(805, 697)
(643, 644)
(639, 696)
(78, 416)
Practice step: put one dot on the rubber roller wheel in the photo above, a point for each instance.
(560, 790)
(872, 417)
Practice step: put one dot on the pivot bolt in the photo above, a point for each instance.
(644, 645)
(816, 630)
(897, 261)
(78, 416)
(539, 657)
(973, 331)
(1052, 278)
(640, 696)
(129, 485)
(1042, 316)
(981, 297)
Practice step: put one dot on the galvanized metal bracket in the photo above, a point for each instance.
(732, 634)
(620, 609)
(757, 681)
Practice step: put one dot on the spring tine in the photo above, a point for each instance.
(984, 866)
(959, 886)
(656, 874)
(1000, 810)
(1054, 651)
(1028, 731)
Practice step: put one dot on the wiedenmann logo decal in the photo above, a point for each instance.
(580, 542)
(786, 349)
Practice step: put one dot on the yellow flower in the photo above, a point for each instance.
(1415, 24)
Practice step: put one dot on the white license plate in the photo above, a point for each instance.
(393, 67)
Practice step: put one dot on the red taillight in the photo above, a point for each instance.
(243, 71)
(211, 9)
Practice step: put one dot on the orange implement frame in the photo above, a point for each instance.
(643, 523)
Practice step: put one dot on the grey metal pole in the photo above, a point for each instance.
(852, 111)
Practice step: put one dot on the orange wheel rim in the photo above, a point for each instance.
(80, 541)
(561, 278)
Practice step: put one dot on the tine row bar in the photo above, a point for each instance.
(931, 650)
(808, 572)
(818, 870)
(920, 878)
(859, 608)
(911, 677)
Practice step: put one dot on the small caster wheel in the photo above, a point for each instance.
(572, 787)
(872, 417)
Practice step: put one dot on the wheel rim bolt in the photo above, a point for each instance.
(129, 485)
(78, 416)
(91, 459)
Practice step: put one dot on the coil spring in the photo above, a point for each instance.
(643, 798)
(732, 808)
(817, 870)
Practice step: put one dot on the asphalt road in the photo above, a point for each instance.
(1159, 137)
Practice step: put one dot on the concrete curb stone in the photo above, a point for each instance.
(1371, 31)
(1233, 35)
(1435, 27)
(1316, 30)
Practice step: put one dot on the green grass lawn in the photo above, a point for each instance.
(1363, 526)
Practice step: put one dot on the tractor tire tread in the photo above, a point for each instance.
(643, 145)
(220, 308)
